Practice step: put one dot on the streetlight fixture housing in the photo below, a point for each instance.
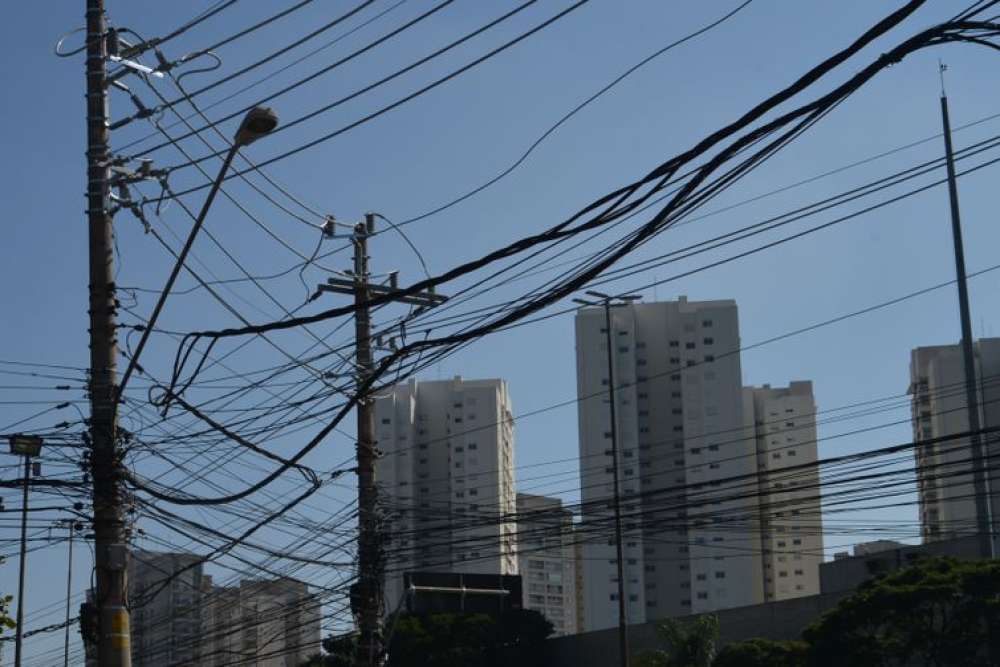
(25, 445)
(258, 122)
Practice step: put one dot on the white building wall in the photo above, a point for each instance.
(679, 403)
(944, 470)
(783, 420)
(446, 476)
(547, 560)
(259, 623)
(167, 625)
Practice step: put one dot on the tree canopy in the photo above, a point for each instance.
(689, 643)
(759, 652)
(938, 612)
(517, 637)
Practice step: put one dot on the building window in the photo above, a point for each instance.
(708, 340)
(674, 343)
(386, 421)
(720, 574)
(703, 595)
(689, 346)
(706, 323)
(709, 358)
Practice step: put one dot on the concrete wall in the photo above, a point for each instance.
(776, 620)
(785, 619)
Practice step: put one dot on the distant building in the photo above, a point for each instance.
(259, 623)
(944, 470)
(446, 476)
(791, 528)
(547, 560)
(680, 423)
(846, 572)
(869, 548)
(165, 590)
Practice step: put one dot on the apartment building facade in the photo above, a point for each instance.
(446, 479)
(547, 560)
(938, 404)
(259, 623)
(783, 421)
(680, 427)
(165, 589)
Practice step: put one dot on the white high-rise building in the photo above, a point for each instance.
(446, 478)
(944, 469)
(166, 621)
(259, 623)
(547, 560)
(679, 399)
(783, 420)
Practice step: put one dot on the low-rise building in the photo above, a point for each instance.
(547, 560)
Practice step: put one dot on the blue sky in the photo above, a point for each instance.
(454, 138)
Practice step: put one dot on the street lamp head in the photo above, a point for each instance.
(25, 445)
(258, 122)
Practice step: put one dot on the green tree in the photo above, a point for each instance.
(6, 622)
(936, 613)
(338, 652)
(689, 643)
(762, 653)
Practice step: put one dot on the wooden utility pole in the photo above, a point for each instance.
(113, 643)
(367, 597)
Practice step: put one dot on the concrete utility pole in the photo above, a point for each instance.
(114, 648)
(367, 597)
(980, 487)
(606, 299)
(371, 567)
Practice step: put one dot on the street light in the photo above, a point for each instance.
(258, 122)
(26, 446)
(623, 648)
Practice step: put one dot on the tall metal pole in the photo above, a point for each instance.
(19, 631)
(983, 522)
(69, 592)
(110, 553)
(622, 609)
(370, 649)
